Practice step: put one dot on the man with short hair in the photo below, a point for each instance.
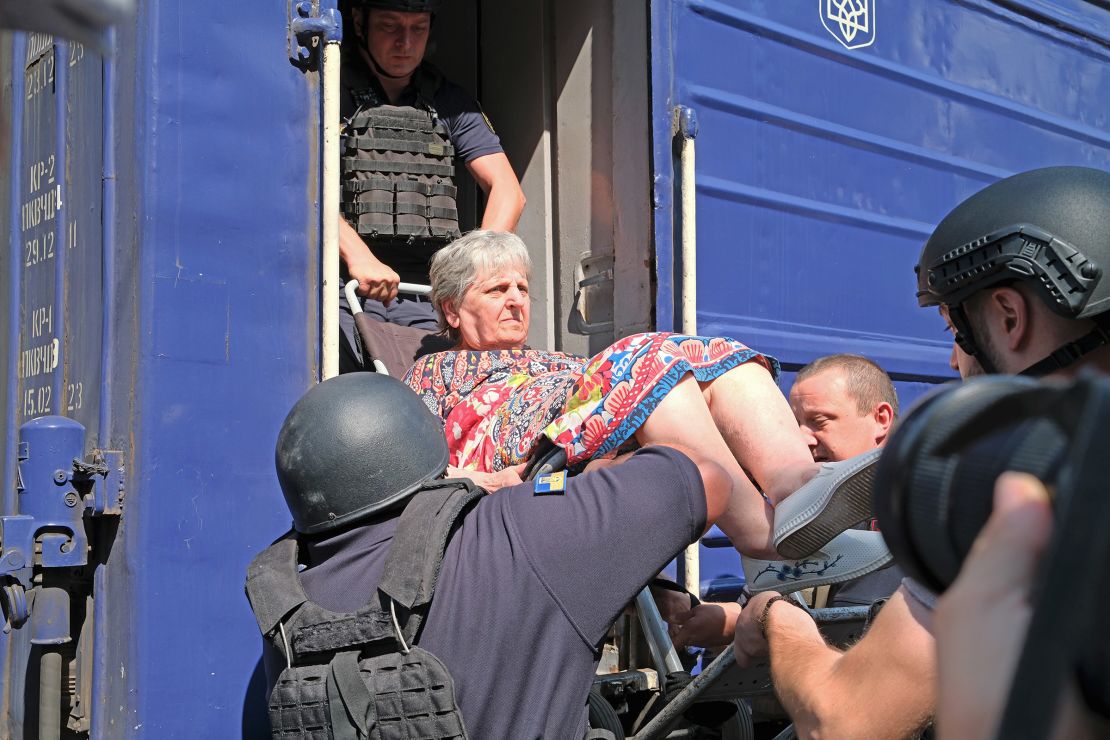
(405, 126)
(1017, 273)
(844, 404)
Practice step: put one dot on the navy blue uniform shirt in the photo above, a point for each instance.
(530, 585)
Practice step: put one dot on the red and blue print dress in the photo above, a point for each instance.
(496, 404)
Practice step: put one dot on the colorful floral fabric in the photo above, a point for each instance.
(496, 404)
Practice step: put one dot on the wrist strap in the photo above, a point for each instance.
(762, 621)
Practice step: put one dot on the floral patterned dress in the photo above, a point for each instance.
(496, 404)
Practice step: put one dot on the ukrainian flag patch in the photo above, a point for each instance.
(552, 484)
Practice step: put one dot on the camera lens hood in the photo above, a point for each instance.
(934, 482)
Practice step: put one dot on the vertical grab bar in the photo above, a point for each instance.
(687, 129)
(328, 28)
(329, 304)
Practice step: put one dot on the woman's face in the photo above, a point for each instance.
(494, 311)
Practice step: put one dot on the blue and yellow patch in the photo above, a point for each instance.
(552, 484)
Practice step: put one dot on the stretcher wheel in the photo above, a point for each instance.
(603, 716)
(740, 725)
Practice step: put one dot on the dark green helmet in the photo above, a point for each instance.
(354, 446)
(1049, 228)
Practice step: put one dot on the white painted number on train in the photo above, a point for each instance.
(36, 401)
(75, 396)
(40, 76)
(39, 249)
(76, 53)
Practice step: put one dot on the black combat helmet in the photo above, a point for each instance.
(353, 446)
(1049, 228)
(404, 6)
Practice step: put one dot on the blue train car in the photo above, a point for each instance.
(828, 145)
(164, 274)
(161, 291)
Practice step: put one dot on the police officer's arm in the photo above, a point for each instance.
(614, 529)
(375, 279)
(883, 686)
(504, 198)
(715, 479)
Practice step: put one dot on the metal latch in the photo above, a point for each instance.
(308, 26)
(592, 312)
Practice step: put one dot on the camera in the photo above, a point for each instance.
(933, 492)
(935, 480)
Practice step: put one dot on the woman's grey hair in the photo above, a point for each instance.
(455, 267)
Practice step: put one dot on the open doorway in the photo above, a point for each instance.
(566, 85)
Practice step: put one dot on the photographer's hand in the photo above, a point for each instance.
(982, 619)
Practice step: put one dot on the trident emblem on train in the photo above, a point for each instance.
(851, 22)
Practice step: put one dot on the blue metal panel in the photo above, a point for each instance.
(227, 184)
(822, 170)
(174, 197)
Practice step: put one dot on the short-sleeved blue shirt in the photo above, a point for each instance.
(530, 585)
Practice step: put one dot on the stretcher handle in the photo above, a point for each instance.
(351, 291)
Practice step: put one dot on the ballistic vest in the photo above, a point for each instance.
(358, 675)
(399, 169)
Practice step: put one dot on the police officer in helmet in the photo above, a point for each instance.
(489, 609)
(1018, 270)
(405, 127)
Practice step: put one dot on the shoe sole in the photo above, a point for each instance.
(801, 584)
(847, 506)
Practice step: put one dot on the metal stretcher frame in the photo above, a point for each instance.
(377, 337)
(723, 679)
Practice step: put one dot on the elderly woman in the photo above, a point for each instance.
(497, 398)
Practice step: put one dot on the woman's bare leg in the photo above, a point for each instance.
(683, 418)
(755, 421)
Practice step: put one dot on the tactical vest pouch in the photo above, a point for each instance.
(357, 675)
(394, 696)
(398, 170)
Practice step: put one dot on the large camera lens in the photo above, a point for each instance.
(934, 483)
